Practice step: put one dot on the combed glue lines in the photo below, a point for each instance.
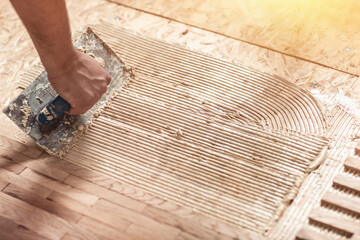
(253, 95)
(203, 132)
(222, 139)
(242, 176)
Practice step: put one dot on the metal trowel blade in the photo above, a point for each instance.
(25, 108)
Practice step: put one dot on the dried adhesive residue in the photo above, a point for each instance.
(98, 59)
(25, 110)
(179, 134)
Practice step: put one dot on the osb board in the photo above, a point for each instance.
(321, 31)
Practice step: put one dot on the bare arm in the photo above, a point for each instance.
(77, 77)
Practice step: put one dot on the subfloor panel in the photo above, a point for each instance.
(223, 139)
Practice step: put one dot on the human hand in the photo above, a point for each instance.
(81, 81)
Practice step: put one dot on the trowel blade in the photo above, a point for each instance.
(25, 108)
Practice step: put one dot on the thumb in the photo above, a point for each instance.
(72, 111)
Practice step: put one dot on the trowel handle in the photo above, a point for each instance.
(53, 111)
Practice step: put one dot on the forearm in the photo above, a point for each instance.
(48, 25)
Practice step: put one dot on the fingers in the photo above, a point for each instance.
(83, 86)
(108, 79)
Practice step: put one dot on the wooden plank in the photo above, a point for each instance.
(7, 225)
(78, 171)
(112, 217)
(105, 193)
(186, 236)
(347, 182)
(11, 230)
(23, 214)
(101, 230)
(118, 212)
(21, 209)
(69, 237)
(37, 220)
(19, 233)
(308, 234)
(11, 165)
(351, 204)
(35, 165)
(137, 194)
(44, 224)
(32, 150)
(23, 232)
(334, 221)
(75, 193)
(20, 181)
(68, 201)
(47, 224)
(352, 163)
(34, 199)
(3, 184)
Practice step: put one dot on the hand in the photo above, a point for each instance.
(81, 81)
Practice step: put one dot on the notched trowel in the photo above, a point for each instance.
(38, 110)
